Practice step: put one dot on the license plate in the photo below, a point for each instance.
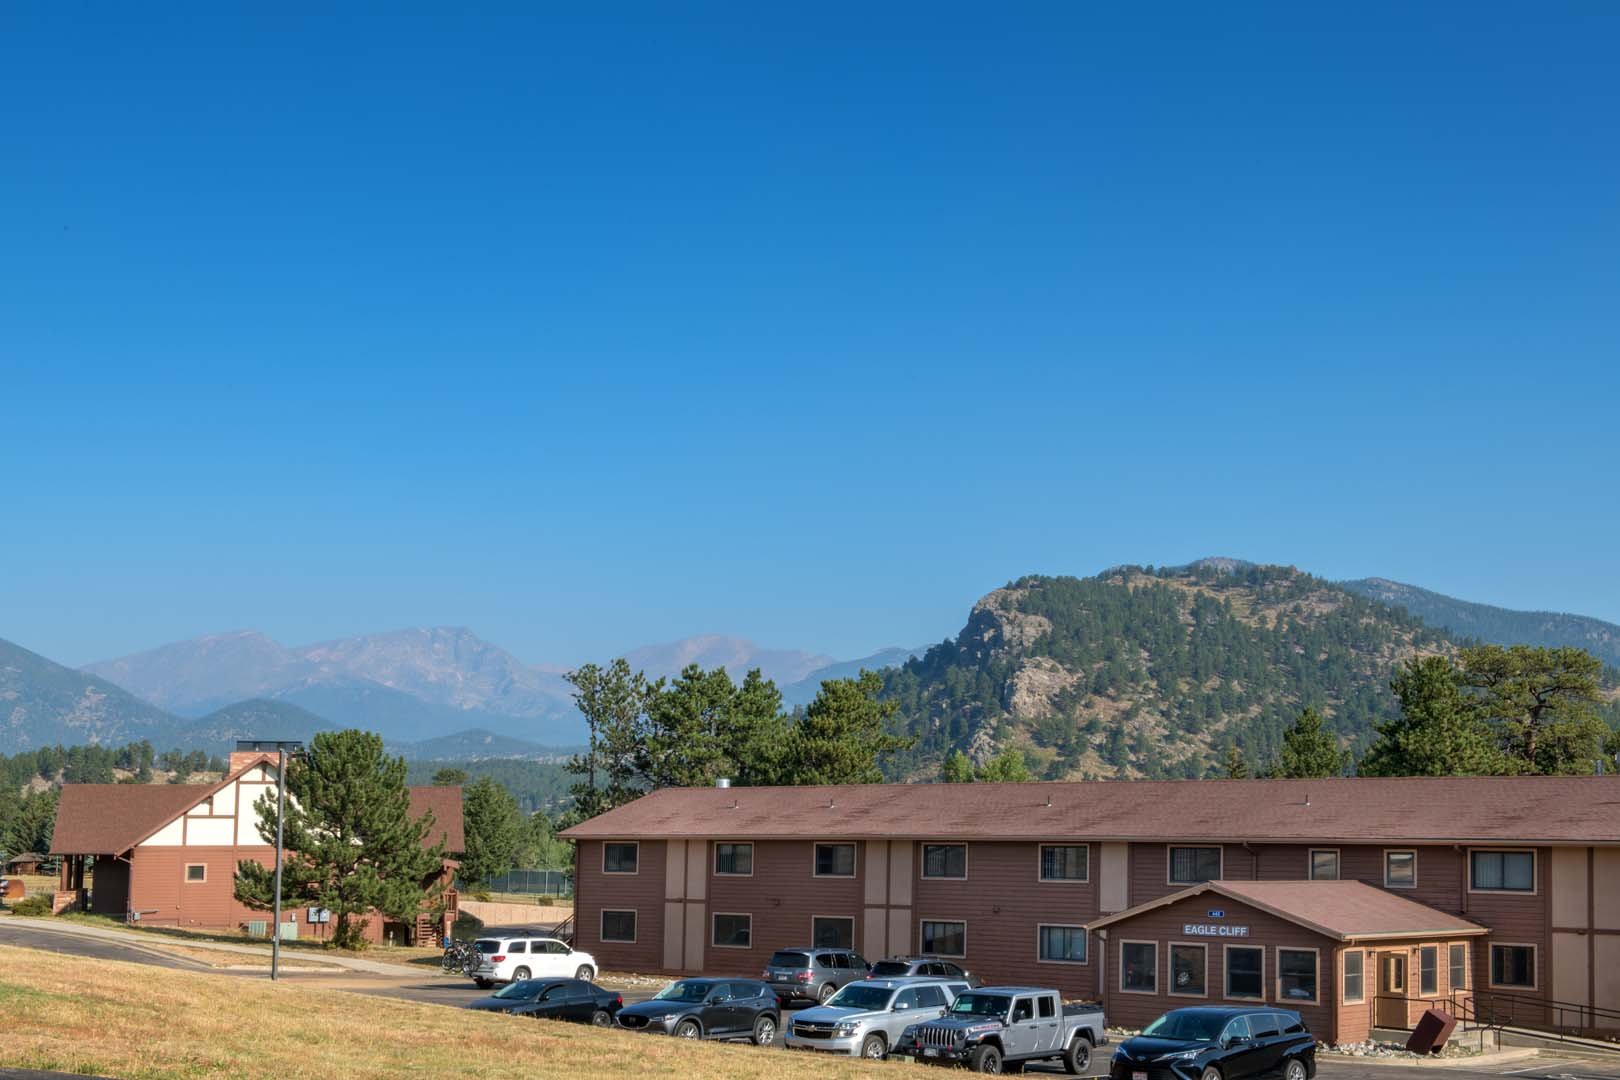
(1138, 1075)
(929, 1051)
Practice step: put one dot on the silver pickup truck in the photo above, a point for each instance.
(994, 1026)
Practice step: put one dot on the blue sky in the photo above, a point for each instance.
(591, 329)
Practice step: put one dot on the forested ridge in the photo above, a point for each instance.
(1156, 673)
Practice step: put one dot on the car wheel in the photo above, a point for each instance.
(1294, 1070)
(1211, 1073)
(824, 993)
(985, 1059)
(765, 1032)
(584, 973)
(688, 1029)
(601, 1018)
(873, 1047)
(1077, 1058)
(520, 974)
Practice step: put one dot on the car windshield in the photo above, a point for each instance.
(1189, 1024)
(979, 1005)
(890, 967)
(685, 990)
(488, 947)
(861, 996)
(790, 959)
(527, 990)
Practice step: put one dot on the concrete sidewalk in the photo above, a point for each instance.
(153, 941)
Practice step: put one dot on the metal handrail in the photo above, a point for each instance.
(1498, 1009)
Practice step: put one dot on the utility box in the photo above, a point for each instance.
(1432, 1030)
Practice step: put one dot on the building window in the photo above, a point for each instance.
(1139, 967)
(1296, 975)
(1187, 965)
(196, 872)
(1325, 864)
(1245, 972)
(1355, 986)
(1065, 862)
(1400, 869)
(734, 859)
(835, 860)
(1062, 944)
(1513, 966)
(944, 938)
(620, 858)
(618, 926)
(1459, 967)
(733, 931)
(1395, 974)
(1429, 971)
(1503, 871)
(944, 861)
(832, 932)
(1194, 865)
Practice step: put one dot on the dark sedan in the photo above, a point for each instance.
(708, 1009)
(555, 999)
(1209, 1043)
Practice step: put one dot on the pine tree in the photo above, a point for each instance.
(1541, 703)
(450, 777)
(1236, 768)
(614, 702)
(1309, 750)
(843, 735)
(1439, 732)
(957, 768)
(352, 845)
(494, 830)
(688, 729)
(1007, 767)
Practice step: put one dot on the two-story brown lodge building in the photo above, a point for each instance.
(166, 854)
(1359, 902)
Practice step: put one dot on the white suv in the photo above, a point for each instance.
(513, 959)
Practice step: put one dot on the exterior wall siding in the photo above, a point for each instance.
(641, 892)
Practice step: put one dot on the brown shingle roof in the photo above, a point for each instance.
(1516, 809)
(109, 819)
(1345, 910)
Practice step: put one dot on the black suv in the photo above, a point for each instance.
(1209, 1043)
(901, 967)
(708, 1009)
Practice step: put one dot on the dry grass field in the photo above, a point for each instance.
(143, 1023)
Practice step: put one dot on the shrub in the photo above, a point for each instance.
(38, 904)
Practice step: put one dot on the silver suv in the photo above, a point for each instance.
(812, 974)
(866, 1018)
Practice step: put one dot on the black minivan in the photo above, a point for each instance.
(1217, 1043)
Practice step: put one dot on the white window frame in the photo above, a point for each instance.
(925, 951)
(1421, 993)
(189, 880)
(1344, 975)
(922, 862)
(831, 918)
(1169, 863)
(1086, 936)
(1338, 863)
(1284, 1002)
(1535, 966)
(1226, 974)
(714, 924)
(714, 862)
(1170, 968)
(635, 922)
(621, 843)
(854, 858)
(1040, 866)
(1154, 945)
(1401, 851)
(1535, 871)
(1467, 965)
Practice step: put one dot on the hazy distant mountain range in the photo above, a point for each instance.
(445, 692)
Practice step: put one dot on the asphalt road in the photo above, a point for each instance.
(435, 989)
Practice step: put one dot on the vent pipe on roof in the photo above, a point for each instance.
(723, 782)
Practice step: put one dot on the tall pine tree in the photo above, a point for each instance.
(843, 735)
(1439, 732)
(1309, 750)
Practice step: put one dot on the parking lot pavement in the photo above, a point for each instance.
(1549, 1065)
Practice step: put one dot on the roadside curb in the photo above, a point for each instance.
(1501, 1057)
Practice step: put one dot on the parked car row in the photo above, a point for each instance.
(916, 1008)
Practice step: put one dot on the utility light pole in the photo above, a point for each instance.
(283, 751)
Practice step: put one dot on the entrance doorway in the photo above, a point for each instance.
(1391, 990)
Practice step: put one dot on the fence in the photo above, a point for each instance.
(534, 883)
